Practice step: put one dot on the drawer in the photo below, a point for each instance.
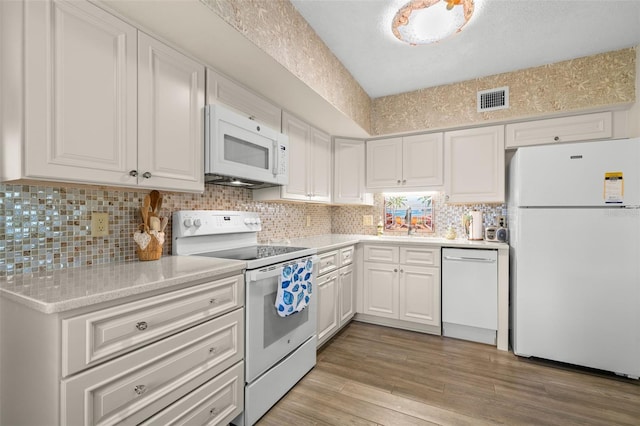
(329, 261)
(346, 256)
(137, 385)
(217, 402)
(381, 254)
(420, 256)
(101, 335)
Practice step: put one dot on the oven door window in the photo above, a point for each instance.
(271, 337)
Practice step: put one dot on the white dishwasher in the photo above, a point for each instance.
(470, 294)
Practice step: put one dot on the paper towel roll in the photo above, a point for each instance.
(476, 229)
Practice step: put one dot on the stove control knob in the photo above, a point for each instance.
(188, 222)
(197, 222)
(258, 221)
(247, 221)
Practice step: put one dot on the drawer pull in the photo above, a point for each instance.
(395, 269)
(140, 389)
(142, 325)
(213, 350)
(213, 301)
(214, 411)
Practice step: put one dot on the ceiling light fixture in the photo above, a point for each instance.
(429, 21)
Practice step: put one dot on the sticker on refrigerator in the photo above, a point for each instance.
(613, 188)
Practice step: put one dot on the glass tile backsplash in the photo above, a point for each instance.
(47, 226)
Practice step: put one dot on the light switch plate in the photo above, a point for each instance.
(99, 224)
(367, 220)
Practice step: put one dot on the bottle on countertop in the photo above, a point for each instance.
(380, 227)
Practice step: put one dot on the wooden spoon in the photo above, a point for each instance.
(158, 205)
(154, 196)
(146, 204)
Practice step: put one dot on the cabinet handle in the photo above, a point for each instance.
(213, 350)
(133, 173)
(212, 301)
(214, 412)
(146, 175)
(395, 270)
(398, 181)
(401, 271)
(557, 138)
(404, 181)
(446, 198)
(142, 325)
(140, 389)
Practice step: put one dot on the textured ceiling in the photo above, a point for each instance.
(503, 36)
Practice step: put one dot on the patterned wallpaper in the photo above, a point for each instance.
(278, 29)
(595, 81)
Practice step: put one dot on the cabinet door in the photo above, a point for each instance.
(80, 107)
(381, 289)
(320, 167)
(474, 165)
(347, 294)
(384, 163)
(299, 136)
(327, 306)
(420, 295)
(564, 129)
(223, 90)
(422, 158)
(349, 173)
(171, 102)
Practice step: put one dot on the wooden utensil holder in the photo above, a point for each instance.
(153, 250)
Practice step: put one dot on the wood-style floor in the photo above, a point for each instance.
(372, 375)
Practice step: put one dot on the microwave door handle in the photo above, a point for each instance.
(276, 165)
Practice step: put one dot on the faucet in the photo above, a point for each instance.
(410, 229)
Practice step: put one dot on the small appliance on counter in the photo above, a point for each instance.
(496, 234)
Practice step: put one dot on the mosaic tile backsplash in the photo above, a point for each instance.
(45, 227)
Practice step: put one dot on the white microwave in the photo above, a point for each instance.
(241, 152)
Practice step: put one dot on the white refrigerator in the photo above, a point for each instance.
(574, 212)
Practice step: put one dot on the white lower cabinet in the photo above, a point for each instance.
(335, 292)
(402, 286)
(174, 358)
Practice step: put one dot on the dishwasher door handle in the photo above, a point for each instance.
(470, 259)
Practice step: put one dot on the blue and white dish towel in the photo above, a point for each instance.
(294, 288)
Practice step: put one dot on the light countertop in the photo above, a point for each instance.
(66, 289)
(335, 241)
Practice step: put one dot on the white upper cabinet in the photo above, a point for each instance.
(223, 90)
(80, 94)
(349, 172)
(310, 168)
(99, 110)
(170, 111)
(405, 163)
(474, 165)
(557, 130)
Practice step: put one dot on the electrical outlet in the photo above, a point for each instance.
(308, 220)
(367, 220)
(99, 224)
(502, 221)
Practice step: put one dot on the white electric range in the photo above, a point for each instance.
(279, 351)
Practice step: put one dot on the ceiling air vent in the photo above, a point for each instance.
(493, 99)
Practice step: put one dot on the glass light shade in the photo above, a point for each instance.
(428, 21)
